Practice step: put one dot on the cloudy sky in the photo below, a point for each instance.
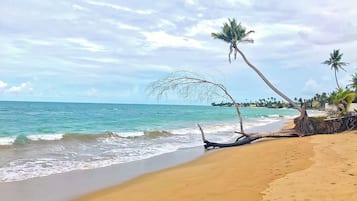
(110, 50)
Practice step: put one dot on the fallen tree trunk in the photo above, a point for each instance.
(246, 139)
(315, 125)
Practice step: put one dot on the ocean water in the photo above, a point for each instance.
(39, 139)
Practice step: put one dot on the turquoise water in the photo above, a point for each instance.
(39, 139)
(30, 118)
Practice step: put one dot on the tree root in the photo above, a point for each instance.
(303, 124)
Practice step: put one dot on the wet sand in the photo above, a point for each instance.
(69, 185)
(322, 167)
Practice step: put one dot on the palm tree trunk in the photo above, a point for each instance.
(302, 123)
(338, 86)
(268, 83)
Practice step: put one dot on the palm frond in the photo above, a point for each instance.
(221, 36)
(249, 32)
(327, 62)
(233, 33)
(340, 67)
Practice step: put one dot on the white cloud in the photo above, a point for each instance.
(130, 91)
(344, 78)
(126, 26)
(121, 8)
(311, 87)
(100, 59)
(244, 2)
(163, 23)
(2, 84)
(264, 31)
(90, 46)
(162, 39)
(92, 92)
(114, 40)
(78, 7)
(205, 27)
(158, 68)
(26, 86)
(191, 2)
(38, 42)
(122, 25)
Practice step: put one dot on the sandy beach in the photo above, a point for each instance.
(322, 167)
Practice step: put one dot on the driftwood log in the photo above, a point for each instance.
(326, 126)
(246, 139)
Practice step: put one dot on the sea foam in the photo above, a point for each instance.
(7, 140)
(45, 137)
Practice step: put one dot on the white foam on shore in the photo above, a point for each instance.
(129, 134)
(231, 126)
(7, 140)
(23, 169)
(45, 137)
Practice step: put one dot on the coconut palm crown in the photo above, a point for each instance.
(233, 33)
(335, 63)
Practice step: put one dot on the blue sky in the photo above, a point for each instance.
(109, 51)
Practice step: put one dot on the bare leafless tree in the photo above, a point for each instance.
(193, 86)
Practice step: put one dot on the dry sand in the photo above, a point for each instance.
(332, 176)
(321, 167)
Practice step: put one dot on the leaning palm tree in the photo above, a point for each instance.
(335, 63)
(234, 33)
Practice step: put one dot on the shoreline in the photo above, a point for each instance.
(319, 167)
(70, 185)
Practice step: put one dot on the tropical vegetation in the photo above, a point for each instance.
(343, 99)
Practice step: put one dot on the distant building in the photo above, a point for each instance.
(351, 108)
